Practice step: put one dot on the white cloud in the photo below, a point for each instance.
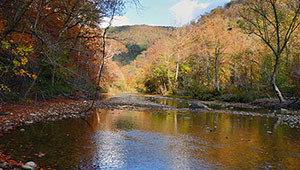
(187, 10)
(117, 21)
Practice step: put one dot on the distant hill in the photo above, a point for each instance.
(137, 39)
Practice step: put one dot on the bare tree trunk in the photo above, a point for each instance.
(98, 79)
(216, 70)
(278, 92)
(273, 81)
(177, 70)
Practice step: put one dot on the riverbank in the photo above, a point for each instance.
(16, 115)
(22, 113)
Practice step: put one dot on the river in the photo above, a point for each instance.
(158, 139)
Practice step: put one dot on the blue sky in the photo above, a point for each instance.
(166, 12)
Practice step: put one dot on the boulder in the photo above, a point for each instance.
(284, 110)
(198, 106)
(29, 166)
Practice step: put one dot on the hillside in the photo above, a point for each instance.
(137, 39)
(221, 56)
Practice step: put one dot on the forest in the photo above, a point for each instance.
(53, 48)
(219, 92)
(240, 52)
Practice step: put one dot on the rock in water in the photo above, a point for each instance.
(29, 166)
(284, 110)
(198, 106)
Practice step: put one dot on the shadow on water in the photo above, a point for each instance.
(119, 139)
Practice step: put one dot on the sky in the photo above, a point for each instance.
(166, 12)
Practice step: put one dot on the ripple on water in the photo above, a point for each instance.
(145, 150)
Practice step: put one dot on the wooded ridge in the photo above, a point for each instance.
(240, 52)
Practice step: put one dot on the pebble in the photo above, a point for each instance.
(269, 132)
(29, 122)
(22, 130)
(41, 155)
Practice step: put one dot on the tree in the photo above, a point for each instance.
(46, 45)
(274, 22)
(214, 40)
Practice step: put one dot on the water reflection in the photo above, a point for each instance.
(117, 139)
(120, 146)
(109, 150)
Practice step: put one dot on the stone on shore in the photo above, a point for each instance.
(29, 166)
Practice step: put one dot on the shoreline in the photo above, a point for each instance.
(18, 115)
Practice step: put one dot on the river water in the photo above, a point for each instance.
(158, 139)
